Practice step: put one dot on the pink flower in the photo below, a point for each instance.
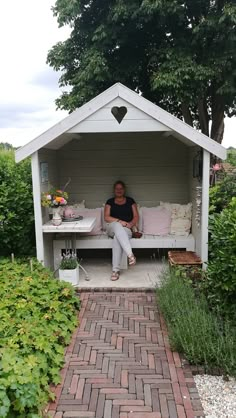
(216, 167)
(49, 197)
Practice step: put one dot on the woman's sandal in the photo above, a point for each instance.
(132, 260)
(115, 276)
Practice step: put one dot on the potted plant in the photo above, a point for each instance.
(55, 199)
(69, 268)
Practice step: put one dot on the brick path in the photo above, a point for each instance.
(119, 364)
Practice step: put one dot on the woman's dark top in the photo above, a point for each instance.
(123, 212)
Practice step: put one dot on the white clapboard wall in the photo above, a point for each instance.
(134, 120)
(154, 167)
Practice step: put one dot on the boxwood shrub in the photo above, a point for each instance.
(38, 314)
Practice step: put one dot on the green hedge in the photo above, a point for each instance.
(222, 193)
(193, 329)
(38, 314)
(219, 284)
(16, 206)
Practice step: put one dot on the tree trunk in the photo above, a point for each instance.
(203, 116)
(187, 114)
(217, 127)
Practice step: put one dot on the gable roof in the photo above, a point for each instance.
(180, 129)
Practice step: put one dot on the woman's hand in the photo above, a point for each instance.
(129, 225)
(123, 223)
(126, 224)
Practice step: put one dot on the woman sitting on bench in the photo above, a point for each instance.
(121, 215)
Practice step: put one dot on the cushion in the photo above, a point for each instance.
(140, 218)
(180, 227)
(156, 221)
(104, 225)
(178, 211)
(181, 216)
(92, 213)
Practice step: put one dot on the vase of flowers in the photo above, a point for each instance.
(55, 199)
(56, 216)
(69, 268)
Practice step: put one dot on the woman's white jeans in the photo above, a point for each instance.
(121, 236)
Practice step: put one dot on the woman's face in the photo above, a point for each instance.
(119, 190)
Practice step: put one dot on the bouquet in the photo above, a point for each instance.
(54, 198)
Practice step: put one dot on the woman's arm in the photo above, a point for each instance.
(107, 217)
(135, 216)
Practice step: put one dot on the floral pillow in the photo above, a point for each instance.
(178, 210)
(181, 216)
(180, 227)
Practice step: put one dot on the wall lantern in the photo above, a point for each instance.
(197, 165)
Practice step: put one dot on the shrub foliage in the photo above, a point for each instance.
(222, 193)
(220, 282)
(16, 206)
(193, 329)
(38, 315)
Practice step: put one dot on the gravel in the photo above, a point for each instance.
(217, 395)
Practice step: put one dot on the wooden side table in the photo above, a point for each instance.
(184, 258)
(189, 260)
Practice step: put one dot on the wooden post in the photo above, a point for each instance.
(37, 206)
(205, 207)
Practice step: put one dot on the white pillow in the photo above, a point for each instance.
(181, 216)
(178, 210)
(180, 227)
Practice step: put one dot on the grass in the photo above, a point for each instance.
(193, 329)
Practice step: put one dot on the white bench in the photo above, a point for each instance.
(104, 242)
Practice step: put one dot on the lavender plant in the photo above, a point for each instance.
(69, 261)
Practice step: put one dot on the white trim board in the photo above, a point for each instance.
(178, 127)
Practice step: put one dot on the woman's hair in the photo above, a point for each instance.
(119, 182)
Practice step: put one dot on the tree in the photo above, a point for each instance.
(5, 146)
(231, 156)
(180, 54)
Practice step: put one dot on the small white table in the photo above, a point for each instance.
(85, 225)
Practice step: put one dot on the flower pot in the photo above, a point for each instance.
(56, 217)
(71, 276)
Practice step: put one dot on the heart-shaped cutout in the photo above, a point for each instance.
(119, 113)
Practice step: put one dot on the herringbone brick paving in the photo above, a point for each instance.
(119, 363)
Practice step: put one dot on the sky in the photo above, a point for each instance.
(28, 86)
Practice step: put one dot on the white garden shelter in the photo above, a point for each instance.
(148, 148)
